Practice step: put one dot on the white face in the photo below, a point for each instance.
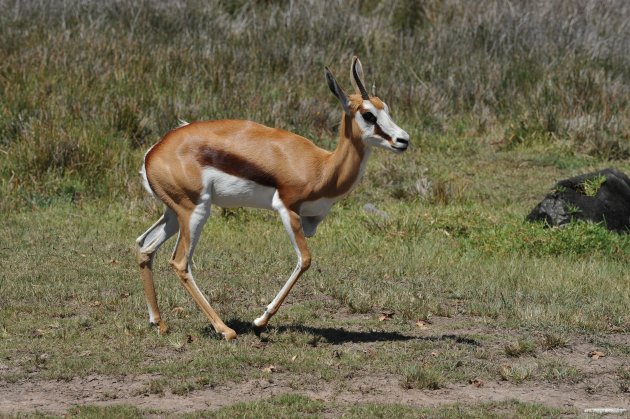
(379, 129)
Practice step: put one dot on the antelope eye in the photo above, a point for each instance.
(369, 117)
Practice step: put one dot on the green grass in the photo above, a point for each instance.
(423, 377)
(559, 371)
(297, 406)
(95, 412)
(70, 282)
(483, 410)
(520, 348)
(285, 406)
(591, 186)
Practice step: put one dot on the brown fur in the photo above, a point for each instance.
(356, 102)
(269, 156)
(378, 104)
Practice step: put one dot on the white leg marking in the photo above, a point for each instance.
(272, 308)
(158, 233)
(197, 220)
(151, 317)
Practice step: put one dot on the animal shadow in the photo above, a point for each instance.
(337, 336)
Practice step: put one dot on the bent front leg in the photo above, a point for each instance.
(293, 226)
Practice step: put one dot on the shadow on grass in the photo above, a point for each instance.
(338, 336)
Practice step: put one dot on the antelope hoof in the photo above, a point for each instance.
(262, 321)
(229, 335)
(161, 326)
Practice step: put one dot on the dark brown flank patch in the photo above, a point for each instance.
(235, 166)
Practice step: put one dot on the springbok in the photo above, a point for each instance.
(245, 164)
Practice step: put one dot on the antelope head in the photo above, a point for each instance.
(369, 114)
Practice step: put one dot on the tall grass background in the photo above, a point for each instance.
(87, 86)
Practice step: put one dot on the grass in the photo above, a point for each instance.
(517, 373)
(66, 297)
(423, 377)
(286, 406)
(624, 375)
(520, 348)
(554, 341)
(70, 283)
(591, 186)
(94, 412)
(558, 371)
(294, 406)
(86, 87)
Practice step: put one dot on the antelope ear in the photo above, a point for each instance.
(356, 77)
(338, 91)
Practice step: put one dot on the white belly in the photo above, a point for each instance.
(229, 191)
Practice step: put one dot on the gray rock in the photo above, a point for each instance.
(602, 196)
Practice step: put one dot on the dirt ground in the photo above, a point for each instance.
(600, 389)
(58, 396)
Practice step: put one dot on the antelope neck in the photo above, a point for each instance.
(344, 166)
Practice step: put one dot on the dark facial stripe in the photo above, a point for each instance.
(235, 166)
(379, 131)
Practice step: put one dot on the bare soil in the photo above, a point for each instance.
(58, 396)
(599, 388)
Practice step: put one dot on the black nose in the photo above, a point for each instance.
(400, 144)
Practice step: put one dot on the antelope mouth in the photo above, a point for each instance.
(400, 144)
(399, 148)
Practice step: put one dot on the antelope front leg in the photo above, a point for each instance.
(293, 225)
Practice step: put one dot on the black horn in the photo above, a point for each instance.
(357, 78)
